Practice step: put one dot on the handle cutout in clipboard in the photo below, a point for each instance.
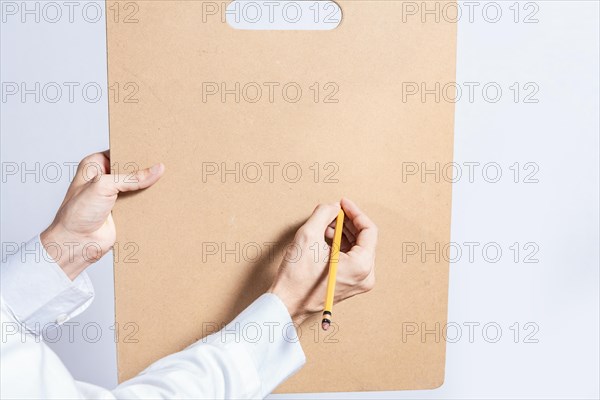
(273, 15)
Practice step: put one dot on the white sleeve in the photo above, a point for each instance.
(37, 291)
(248, 358)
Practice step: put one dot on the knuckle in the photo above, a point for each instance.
(375, 231)
(92, 159)
(87, 159)
(365, 271)
(321, 207)
(361, 273)
(364, 266)
(368, 284)
(303, 235)
(365, 260)
(90, 168)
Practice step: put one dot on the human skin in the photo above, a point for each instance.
(84, 220)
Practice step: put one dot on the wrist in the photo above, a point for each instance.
(297, 314)
(65, 250)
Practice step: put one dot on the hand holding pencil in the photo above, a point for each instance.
(301, 281)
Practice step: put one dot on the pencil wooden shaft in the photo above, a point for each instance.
(333, 261)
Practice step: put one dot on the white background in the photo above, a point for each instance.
(559, 213)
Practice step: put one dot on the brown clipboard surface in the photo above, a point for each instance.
(170, 287)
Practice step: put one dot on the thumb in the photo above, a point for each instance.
(141, 179)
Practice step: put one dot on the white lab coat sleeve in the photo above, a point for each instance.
(248, 358)
(37, 291)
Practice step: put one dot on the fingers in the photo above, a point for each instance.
(348, 226)
(363, 253)
(329, 232)
(142, 179)
(322, 217)
(367, 231)
(347, 233)
(89, 169)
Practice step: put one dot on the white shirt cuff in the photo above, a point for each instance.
(38, 292)
(266, 333)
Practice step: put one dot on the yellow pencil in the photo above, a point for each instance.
(334, 257)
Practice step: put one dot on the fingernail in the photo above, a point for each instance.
(155, 169)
